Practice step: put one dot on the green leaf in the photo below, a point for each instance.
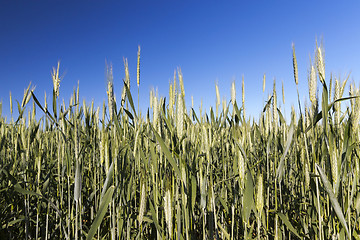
(167, 153)
(281, 117)
(34, 131)
(154, 217)
(10, 224)
(288, 224)
(248, 200)
(195, 116)
(333, 199)
(129, 114)
(19, 189)
(104, 203)
(224, 115)
(319, 116)
(54, 105)
(39, 105)
(280, 168)
(128, 94)
(117, 124)
(357, 203)
(212, 117)
(108, 180)
(227, 235)
(167, 122)
(26, 97)
(355, 235)
(193, 191)
(268, 104)
(37, 102)
(2, 141)
(324, 107)
(77, 185)
(21, 112)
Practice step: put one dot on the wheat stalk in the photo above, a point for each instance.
(259, 194)
(168, 212)
(110, 90)
(274, 113)
(180, 117)
(337, 104)
(142, 204)
(320, 64)
(138, 68)
(56, 79)
(217, 98)
(295, 66)
(312, 85)
(233, 93)
(264, 78)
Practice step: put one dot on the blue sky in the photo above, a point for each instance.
(211, 41)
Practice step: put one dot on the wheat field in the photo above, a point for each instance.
(80, 172)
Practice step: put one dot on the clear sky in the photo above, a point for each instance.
(211, 41)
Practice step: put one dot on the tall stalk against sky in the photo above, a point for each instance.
(138, 76)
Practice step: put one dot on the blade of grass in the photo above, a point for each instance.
(288, 224)
(333, 199)
(167, 153)
(101, 212)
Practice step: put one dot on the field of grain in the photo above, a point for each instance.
(80, 172)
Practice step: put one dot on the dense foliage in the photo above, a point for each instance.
(177, 174)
